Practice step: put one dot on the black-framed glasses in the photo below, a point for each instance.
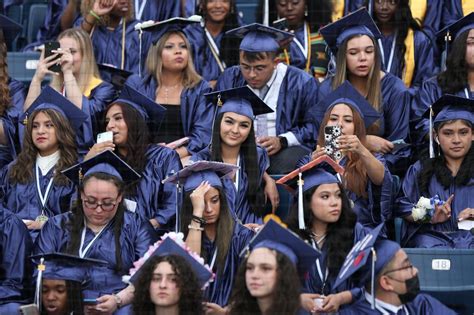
(410, 266)
(106, 206)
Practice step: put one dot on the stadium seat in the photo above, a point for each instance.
(446, 274)
(36, 18)
(22, 65)
(247, 9)
(14, 12)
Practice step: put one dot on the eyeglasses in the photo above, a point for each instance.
(257, 69)
(410, 266)
(390, 2)
(106, 206)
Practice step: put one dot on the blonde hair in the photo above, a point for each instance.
(88, 68)
(87, 5)
(154, 62)
(374, 96)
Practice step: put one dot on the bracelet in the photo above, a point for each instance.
(87, 22)
(197, 228)
(199, 220)
(118, 300)
(97, 17)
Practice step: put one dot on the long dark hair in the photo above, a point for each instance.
(190, 300)
(454, 78)
(340, 234)
(76, 222)
(319, 13)
(248, 150)
(4, 78)
(74, 299)
(228, 53)
(285, 299)
(437, 167)
(225, 228)
(22, 169)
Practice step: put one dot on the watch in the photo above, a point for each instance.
(283, 142)
(118, 300)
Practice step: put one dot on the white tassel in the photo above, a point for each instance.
(300, 202)
(432, 155)
(38, 283)
(372, 286)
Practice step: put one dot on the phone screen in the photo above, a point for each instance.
(48, 51)
(281, 24)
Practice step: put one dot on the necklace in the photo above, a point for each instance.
(321, 237)
(167, 90)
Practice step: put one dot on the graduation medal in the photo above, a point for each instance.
(42, 217)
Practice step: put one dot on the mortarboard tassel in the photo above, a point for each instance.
(41, 267)
(444, 54)
(432, 155)
(372, 280)
(300, 202)
(140, 33)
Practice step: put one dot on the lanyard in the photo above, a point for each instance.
(320, 272)
(213, 260)
(215, 50)
(83, 252)
(139, 7)
(392, 52)
(466, 91)
(237, 175)
(43, 198)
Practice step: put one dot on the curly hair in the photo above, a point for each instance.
(248, 150)
(22, 169)
(4, 78)
(340, 234)
(190, 299)
(76, 222)
(285, 297)
(454, 78)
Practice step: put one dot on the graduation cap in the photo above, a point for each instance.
(448, 107)
(152, 112)
(51, 99)
(169, 25)
(170, 247)
(114, 75)
(356, 260)
(10, 26)
(60, 266)
(356, 23)
(105, 162)
(241, 100)
(275, 236)
(259, 38)
(317, 172)
(346, 94)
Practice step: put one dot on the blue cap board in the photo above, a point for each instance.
(346, 94)
(356, 23)
(241, 100)
(49, 98)
(191, 176)
(151, 112)
(260, 38)
(114, 75)
(169, 247)
(457, 28)
(10, 26)
(275, 236)
(158, 29)
(451, 107)
(105, 162)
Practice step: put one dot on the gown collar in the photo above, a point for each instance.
(46, 163)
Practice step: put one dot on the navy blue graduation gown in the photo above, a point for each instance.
(422, 305)
(298, 92)
(375, 209)
(16, 245)
(435, 235)
(219, 290)
(452, 11)
(154, 199)
(196, 113)
(10, 121)
(425, 66)
(24, 201)
(236, 198)
(313, 282)
(135, 238)
(158, 10)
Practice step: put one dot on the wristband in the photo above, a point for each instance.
(118, 300)
(97, 17)
(283, 142)
(197, 228)
(199, 220)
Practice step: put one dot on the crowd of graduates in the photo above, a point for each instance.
(140, 168)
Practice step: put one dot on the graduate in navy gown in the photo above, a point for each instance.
(156, 10)
(445, 180)
(12, 95)
(113, 37)
(171, 80)
(128, 119)
(407, 51)
(78, 80)
(454, 10)
(100, 227)
(397, 287)
(15, 267)
(233, 142)
(327, 222)
(209, 228)
(268, 278)
(288, 133)
(32, 185)
(456, 79)
(357, 33)
(367, 179)
(213, 49)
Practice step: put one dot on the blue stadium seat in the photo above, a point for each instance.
(398, 229)
(15, 12)
(248, 9)
(22, 65)
(36, 18)
(446, 274)
(285, 199)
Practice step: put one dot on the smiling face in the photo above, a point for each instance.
(164, 291)
(54, 296)
(360, 55)
(234, 129)
(217, 10)
(43, 133)
(455, 139)
(326, 203)
(175, 53)
(115, 122)
(261, 272)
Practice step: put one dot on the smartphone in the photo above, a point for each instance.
(29, 309)
(48, 51)
(281, 24)
(331, 133)
(89, 301)
(105, 136)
